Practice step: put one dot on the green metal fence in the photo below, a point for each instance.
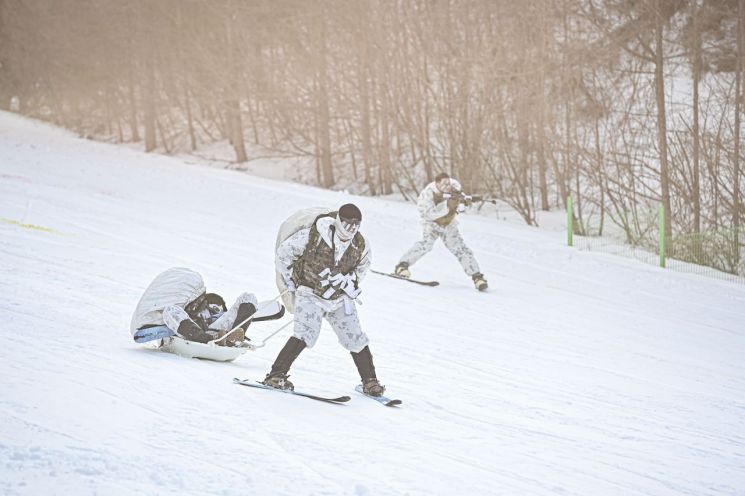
(719, 254)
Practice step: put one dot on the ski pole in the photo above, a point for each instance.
(249, 346)
(263, 343)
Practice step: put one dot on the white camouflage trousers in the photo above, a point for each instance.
(173, 315)
(309, 315)
(453, 241)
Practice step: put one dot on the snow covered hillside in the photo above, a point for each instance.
(576, 374)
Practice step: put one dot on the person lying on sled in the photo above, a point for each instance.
(178, 300)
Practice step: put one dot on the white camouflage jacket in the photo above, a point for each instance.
(428, 209)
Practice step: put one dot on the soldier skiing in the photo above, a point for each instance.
(439, 203)
(322, 266)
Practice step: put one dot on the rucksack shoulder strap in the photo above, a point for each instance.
(315, 237)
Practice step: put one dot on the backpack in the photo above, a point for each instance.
(176, 286)
(302, 219)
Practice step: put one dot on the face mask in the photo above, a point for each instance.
(346, 228)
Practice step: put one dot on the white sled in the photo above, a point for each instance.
(212, 351)
(207, 351)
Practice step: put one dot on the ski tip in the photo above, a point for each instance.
(383, 400)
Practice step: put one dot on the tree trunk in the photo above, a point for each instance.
(385, 145)
(738, 105)
(696, 193)
(541, 135)
(236, 130)
(659, 82)
(133, 112)
(150, 143)
(190, 121)
(233, 103)
(322, 104)
(364, 83)
(324, 134)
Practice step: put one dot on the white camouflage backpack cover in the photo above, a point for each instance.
(302, 219)
(175, 286)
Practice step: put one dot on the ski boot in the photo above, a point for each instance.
(235, 338)
(278, 380)
(277, 376)
(245, 310)
(402, 270)
(189, 330)
(479, 281)
(372, 387)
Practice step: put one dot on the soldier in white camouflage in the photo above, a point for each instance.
(323, 266)
(439, 203)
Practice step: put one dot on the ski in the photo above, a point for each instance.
(340, 399)
(415, 281)
(383, 400)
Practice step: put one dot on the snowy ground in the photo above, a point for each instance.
(577, 374)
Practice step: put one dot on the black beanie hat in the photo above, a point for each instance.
(350, 211)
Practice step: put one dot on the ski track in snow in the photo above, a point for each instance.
(576, 373)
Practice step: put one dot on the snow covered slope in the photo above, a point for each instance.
(577, 373)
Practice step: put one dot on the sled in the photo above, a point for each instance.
(211, 350)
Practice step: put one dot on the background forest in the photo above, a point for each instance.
(622, 105)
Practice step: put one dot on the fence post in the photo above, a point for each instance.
(661, 235)
(570, 221)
